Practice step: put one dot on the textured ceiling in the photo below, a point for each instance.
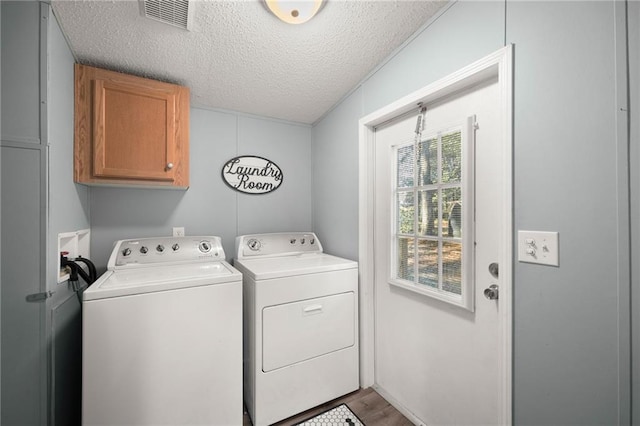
(239, 57)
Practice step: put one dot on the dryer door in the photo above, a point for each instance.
(298, 331)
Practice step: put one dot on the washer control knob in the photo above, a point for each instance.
(302, 240)
(144, 249)
(313, 241)
(293, 241)
(254, 244)
(160, 248)
(175, 247)
(204, 246)
(126, 251)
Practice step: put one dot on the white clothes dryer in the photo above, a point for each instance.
(300, 324)
(162, 336)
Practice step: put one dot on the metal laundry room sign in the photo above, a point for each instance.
(252, 175)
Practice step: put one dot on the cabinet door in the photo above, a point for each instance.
(133, 131)
(130, 130)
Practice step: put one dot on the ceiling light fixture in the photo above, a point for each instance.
(294, 12)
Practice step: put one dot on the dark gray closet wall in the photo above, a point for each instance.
(24, 373)
(40, 346)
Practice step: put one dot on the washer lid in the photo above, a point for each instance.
(160, 278)
(287, 266)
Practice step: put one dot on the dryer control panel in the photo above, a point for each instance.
(163, 250)
(277, 244)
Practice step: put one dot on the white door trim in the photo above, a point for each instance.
(500, 64)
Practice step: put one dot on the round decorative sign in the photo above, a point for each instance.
(252, 175)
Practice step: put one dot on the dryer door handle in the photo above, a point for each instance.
(312, 309)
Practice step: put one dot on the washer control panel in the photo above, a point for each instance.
(147, 251)
(277, 244)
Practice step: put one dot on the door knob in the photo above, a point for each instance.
(491, 293)
(169, 166)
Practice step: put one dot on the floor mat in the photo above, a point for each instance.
(338, 416)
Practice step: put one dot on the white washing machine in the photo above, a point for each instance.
(162, 336)
(300, 324)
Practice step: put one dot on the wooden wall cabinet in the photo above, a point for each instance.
(129, 130)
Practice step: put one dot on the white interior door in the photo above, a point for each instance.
(437, 337)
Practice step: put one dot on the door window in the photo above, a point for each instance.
(432, 247)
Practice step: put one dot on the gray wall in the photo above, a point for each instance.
(209, 206)
(68, 202)
(68, 210)
(634, 86)
(571, 363)
(335, 178)
(567, 339)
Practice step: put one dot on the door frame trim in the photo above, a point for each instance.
(498, 64)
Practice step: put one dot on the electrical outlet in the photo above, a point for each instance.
(538, 247)
(178, 232)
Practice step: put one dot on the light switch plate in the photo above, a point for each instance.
(538, 247)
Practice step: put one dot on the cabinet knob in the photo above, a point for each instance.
(169, 166)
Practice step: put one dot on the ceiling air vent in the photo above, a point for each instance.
(178, 13)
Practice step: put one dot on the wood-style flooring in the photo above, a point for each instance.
(367, 404)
